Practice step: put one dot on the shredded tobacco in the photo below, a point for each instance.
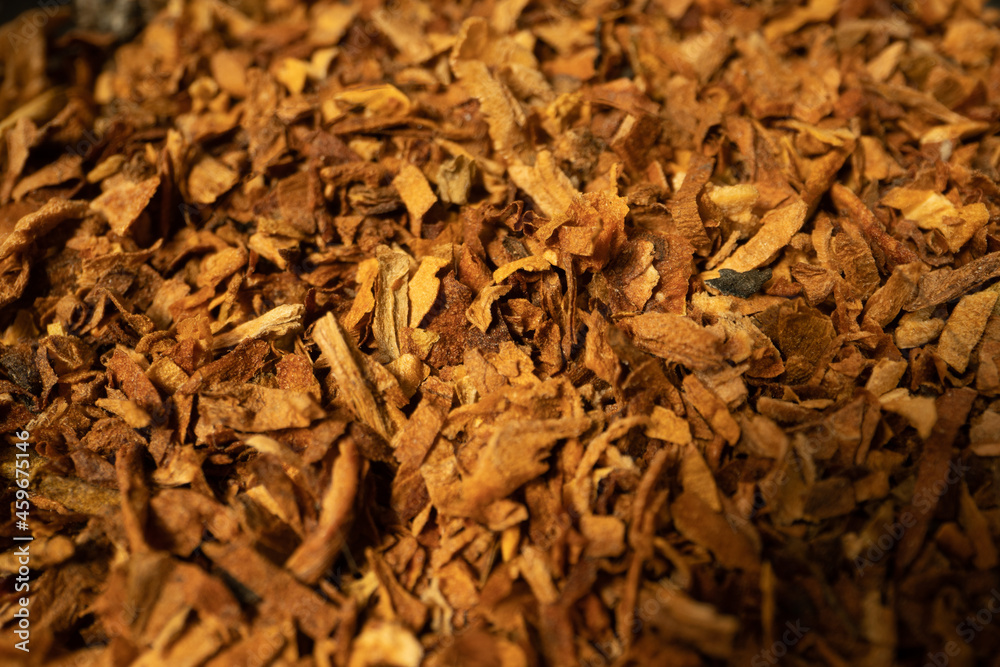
(745, 285)
(503, 332)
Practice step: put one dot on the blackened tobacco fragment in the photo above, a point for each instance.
(743, 285)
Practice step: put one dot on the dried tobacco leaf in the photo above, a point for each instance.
(743, 285)
(516, 333)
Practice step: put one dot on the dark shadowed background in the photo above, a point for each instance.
(9, 9)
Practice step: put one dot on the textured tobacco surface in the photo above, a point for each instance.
(502, 333)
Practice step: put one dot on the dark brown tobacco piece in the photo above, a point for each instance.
(743, 285)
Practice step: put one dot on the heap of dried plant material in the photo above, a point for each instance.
(504, 333)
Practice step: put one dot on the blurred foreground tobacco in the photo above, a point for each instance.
(504, 333)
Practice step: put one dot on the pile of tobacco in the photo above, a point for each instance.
(501, 333)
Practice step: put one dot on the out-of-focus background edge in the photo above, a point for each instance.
(11, 9)
(121, 17)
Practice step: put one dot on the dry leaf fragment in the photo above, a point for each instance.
(403, 26)
(381, 643)
(675, 338)
(423, 287)
(777, 228)
(317, 552)
(952, 409)
(684, 206)
(702, 525)
(535, 570)
(743, 285)
(697, 478)
(917, 328)
(377, 100)
(931, 210)
(888, 300)
(278, 250)
(945, 284)
(514, 454)
(984, 434)
(289, 597)
(605, 536)
(764, 438)
(133, 381)
(364, 300)
(355, 387)
(715, 412)
(529, 263)
(920, 411)
(391, 301)
(594, 230)
(548, 186)
(988, 356)
(229, 70)
(209, 179)
(965, 327)
(455, 178)
(415, 193)
(166, 374)
(275, 323)
(953, 132)
(879, 165)
(885, 376)
(66, 168)
(816, 10)
(502, 111)
(851, 207)
(854, 257)
(133, 415)
(33, 226)
(292, 73)
(252, 408)
(220, 265)
(690, 622)
(736, 202)
(405, 606)
(20, 138)
(329, 22)
(480, 313)
(664, 424)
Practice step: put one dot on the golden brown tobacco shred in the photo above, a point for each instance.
(777, 229)
(315, 555)
(353, 383)
(273, 324)
(964, 328)
(286, 595)
(684, 209)
(945, 284)
(675, 338)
